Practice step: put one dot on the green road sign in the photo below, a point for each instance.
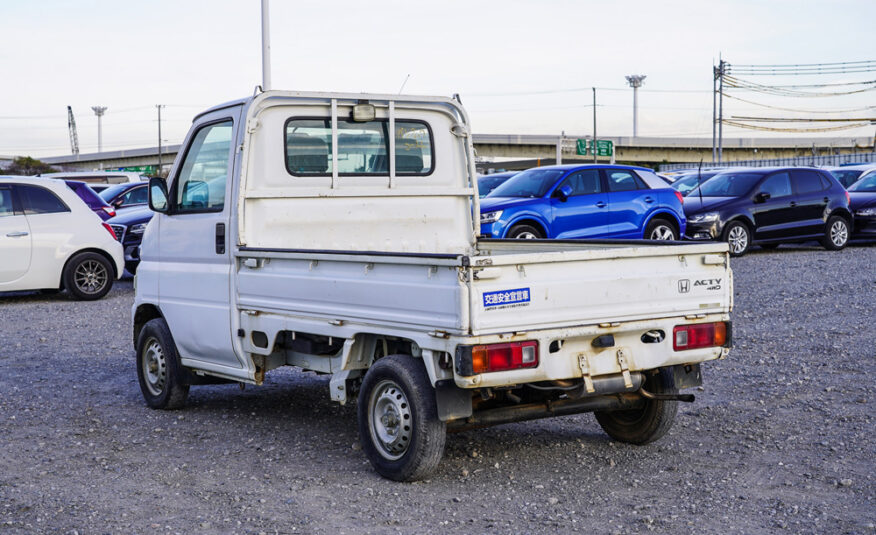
(604, 147)
(142, 169)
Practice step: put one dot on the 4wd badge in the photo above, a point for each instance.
(683, 286)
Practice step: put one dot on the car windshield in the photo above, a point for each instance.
(727, 185)
(112, 191)
(867, 184)
(847, 177)
(531, 183)
(689, 183)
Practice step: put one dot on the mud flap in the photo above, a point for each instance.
(686, 375)
(453, 402)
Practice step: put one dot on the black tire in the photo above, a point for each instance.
(398, 387)
(88, 276)
(524, 232)
(641, 426)
(162, 377)
(738, 237)
(660, 229)
(836, 234)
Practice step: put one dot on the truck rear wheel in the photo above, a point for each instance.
(162, 378)
(399, 427)
(647, 424)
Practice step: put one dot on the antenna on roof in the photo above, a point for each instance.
(402, 88)
(700, 182)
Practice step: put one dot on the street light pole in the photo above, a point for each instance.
(635, 81)
(99, 110)
(159, 106)
(593, 146)
(266, 47)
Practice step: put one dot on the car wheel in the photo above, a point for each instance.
(738, 237)
(162, 377)
(88, 276)
(398, 423)
(660, 229)
(647, 424)
(836, 235)
(524, 232)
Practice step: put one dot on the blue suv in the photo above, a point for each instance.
(584, 201)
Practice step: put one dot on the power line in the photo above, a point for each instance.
(797, 130)
(848, 110)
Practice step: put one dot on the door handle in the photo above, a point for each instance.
(600, 204)
(220, 238)
(16, 234)
(649, 200)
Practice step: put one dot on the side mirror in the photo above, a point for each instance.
(762, 197)
(564, 192)
(158, 195)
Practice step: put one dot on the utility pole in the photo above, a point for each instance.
(714, 112)
(635, 81)
(721, 112)
(266, 47)
(594, 125)
(99, 110)
(159, 106)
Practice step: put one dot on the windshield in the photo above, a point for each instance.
(531, 183)
(847, 178)
(727, 185)
(112, 191)
(867, 183)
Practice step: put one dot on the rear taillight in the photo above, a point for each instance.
(699, 335)
(110, 230)
(848, 197)
(680, 196)
(109, 210)
(472, 360)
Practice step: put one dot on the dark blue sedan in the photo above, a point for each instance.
(862, 203)
(583, 201)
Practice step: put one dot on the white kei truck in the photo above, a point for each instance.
(339, 233)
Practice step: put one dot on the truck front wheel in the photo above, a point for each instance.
(647, 424)
(161, 376)
(399, 427)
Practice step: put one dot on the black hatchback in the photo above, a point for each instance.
(769, 206)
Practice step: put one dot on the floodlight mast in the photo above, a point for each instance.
(266, 47)
(635, 81)
(99, 110)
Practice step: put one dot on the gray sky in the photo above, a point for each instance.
(521, 67)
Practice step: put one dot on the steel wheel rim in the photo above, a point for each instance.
(154, 367)
(738, 239)
(663, 232)
(839, 233)
(90, 276)
(390, 420)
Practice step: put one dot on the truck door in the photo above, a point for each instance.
(194, 253)
(15, 239)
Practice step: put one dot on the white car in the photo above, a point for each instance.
(50, 239)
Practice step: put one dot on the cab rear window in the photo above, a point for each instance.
(362, 147)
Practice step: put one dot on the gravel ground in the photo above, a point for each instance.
(779, 440)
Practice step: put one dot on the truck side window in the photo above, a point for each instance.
(200, 185)
(362, 147)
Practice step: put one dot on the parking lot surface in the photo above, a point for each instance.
(779, 439)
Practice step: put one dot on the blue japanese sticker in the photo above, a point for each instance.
(506, 298)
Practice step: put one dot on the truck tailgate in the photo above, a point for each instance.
(517, 290)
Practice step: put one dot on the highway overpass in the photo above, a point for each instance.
(523, 151)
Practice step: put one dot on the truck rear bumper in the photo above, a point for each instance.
(572, 354)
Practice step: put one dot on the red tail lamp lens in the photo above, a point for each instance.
(680, 196)
(502, 357)
(110, 230)
(699, 335)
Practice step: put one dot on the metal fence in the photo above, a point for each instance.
(811, 161)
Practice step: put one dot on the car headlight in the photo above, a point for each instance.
(866, 212)
(707, 217)
(137, 229)
(490, 217)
